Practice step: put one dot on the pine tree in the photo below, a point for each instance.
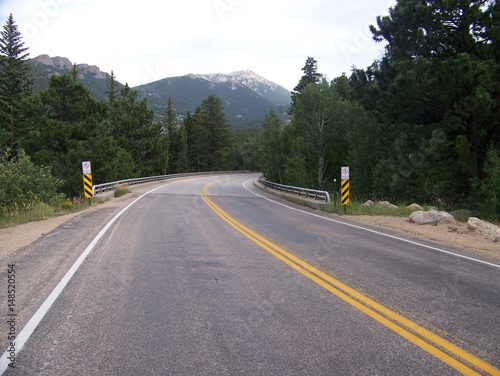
(74, 72)
(112, 87)
(15, 84)
(219, 131)
(311, 76)
(198, 142)
(182, 159)
(173, 135)
(63, 119)
(133, 126)
(272, 158)
(435, 93)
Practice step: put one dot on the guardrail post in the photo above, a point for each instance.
(297, 190)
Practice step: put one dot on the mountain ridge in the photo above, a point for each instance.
(254, 81)
(247, 96)
(44, 66)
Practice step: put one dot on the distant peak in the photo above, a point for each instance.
(58, 61)
(43, 59)
(246, 77)
(240, 72)
(64, 64)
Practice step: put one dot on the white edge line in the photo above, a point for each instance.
(373, 231)
(31, 325)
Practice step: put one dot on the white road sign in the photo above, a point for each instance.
(86, 168)
(344, 172)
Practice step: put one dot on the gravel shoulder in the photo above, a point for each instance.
(16, 237)
(454, 234)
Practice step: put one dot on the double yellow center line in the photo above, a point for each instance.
(447, 352)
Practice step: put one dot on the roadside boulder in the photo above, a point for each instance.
(368, 203)
(482, 227)
(432, 217)
(386, 204)
(415, 207)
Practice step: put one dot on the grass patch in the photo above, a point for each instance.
(357, 208)
(121, 190)
(462, 215)
(18, 215)
(40, 211)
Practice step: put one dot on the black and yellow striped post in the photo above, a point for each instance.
(345, 192)
(345, 187)
(87, 185)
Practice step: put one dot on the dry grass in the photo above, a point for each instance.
(40, 211)
(357, 208)
(121, 190)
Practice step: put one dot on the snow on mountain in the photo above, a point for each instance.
(268, 89)
(247, 95)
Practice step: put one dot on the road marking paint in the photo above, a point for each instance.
(428, 341)
(374, 231)
(31, 325)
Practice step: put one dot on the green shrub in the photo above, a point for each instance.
(23, 184)
(489, 191)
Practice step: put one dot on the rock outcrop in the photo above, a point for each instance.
(65, 65)
(432, 217)
(415, 207)
(386, 204)
(482, 227)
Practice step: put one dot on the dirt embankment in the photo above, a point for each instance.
(454, 234)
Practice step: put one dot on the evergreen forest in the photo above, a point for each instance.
(421, 124)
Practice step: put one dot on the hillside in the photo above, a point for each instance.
(273, 92)
(94, 79)
(247, 97)
(242, 104)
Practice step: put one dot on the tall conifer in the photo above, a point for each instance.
(15, 83)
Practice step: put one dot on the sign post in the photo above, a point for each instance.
(334, 194)
(87, 179)
(345, 187)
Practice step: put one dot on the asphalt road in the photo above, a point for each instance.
(173, 288)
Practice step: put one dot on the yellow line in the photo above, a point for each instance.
(363, 303)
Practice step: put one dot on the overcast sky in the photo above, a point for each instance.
(146, 40)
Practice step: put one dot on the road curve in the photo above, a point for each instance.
(183, 283)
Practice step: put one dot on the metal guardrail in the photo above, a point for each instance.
(105, 187)
(313, 193)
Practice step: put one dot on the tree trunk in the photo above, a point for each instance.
(473, 156)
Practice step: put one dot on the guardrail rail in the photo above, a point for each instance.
(306, 192)
(105, 187)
